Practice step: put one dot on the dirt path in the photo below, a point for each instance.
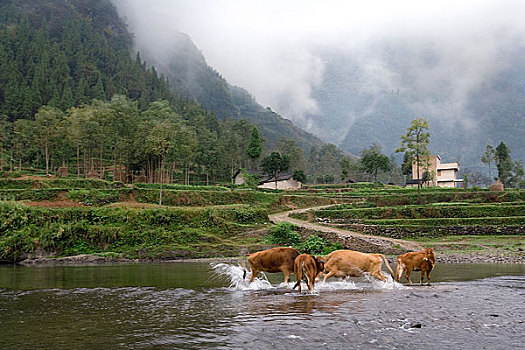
(350, 239)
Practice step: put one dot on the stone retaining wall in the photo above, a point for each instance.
(428, 231)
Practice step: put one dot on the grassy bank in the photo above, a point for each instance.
(60, 217)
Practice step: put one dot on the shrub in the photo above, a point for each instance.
(313, 245)
(94, 196)
(283, 234)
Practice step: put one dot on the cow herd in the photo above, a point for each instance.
(339, 263)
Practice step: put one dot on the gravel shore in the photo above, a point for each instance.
(449, 258)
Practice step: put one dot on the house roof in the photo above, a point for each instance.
(413, 182)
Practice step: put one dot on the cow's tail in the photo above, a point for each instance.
(298, 271)
(243, 264)
(388, 266)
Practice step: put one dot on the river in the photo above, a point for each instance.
(199, 305)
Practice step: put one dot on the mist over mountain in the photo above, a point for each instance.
(355, 74)
(467, 107)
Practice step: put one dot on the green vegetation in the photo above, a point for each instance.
(283, 234)
(142, 233)
(104, 217)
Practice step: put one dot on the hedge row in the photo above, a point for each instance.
(454, 196)
(483, 221)
(423, 212)
(6, 183)
(15, 216)
(181, 187)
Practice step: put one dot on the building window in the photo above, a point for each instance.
(439, 172)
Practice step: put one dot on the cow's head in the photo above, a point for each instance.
(319, 263)
(430, 255)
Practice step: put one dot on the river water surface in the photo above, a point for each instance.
(201, 305)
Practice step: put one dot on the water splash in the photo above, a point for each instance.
(234, 273)
(389, 284)
(333, 285)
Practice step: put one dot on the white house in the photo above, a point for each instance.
(444, 174)
(284, 181)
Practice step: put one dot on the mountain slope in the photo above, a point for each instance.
(189, 74)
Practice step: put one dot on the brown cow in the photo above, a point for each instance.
(307, 267)
(343, 263)
(423, 261)
(271, 260)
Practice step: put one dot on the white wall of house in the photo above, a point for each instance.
(289, 184)
(239, 180)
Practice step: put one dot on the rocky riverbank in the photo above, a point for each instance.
(479, 258)
(441, 258)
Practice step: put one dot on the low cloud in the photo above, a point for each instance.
(442, 50)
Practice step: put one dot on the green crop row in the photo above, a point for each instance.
(6, 183)
(14, 216)
(180, 187)
(422, 212)
(484, 221)
(98, 197)
(441, 197)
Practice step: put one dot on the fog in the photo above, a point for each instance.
(271, 48)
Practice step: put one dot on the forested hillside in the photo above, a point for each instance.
(65, 53)
(74, 93)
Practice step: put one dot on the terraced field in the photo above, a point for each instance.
(435, 217)
(59, 217)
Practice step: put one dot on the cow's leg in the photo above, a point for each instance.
(311, 285)
(329, 274)
(399, 271)
(311, 282)
(298, 276)
(255, 272)
(428, 277)
(379, 276)
(286, 276)
(319, 275)
(421, 278)
(407, 275)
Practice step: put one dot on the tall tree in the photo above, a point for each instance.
(345, 168)
(23, 138)
(47, 129)
(274, 164)
(288, 147)
(158, 144)
(254, 149)
(510, 173)
(406, 167)
(504, 163)
(373, 161)
(414, 143)
(488, 157)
